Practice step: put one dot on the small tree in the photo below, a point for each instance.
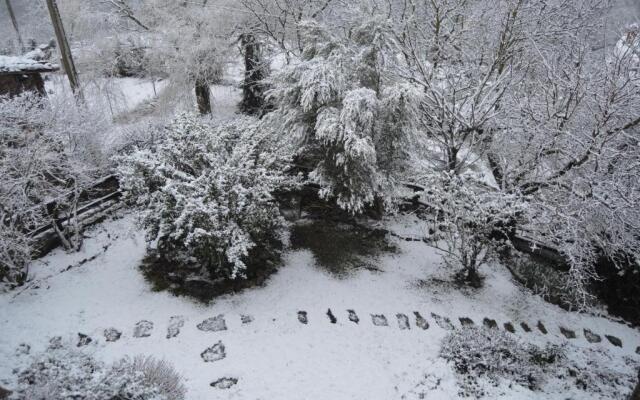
(467, 224)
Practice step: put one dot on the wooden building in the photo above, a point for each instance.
(22, 74)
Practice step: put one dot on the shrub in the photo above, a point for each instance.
(491, 355)
(206, 195)
(63, 373)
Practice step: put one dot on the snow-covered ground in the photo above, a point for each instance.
(275, 356)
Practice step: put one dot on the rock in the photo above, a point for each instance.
(508, 326)
(638, 350)
(4, 393)
(464, 321)
(213, 324)
(23, 349)
(112, 335)
(353, 317)
(592, 337)
(55, 343)
(246, 319)
(143, 329)
(525, 327)
(224, 383)
(614, 340)
(420, 321)
(214, 353)
(332, 317)
(83, 340)
(379, 320)
(175, 323)
(302, 317)
(443, 322)
(568, 333)
(490, 323)
(403, 322)
(542, 328)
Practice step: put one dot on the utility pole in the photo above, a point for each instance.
(15, 25)
(65, 50)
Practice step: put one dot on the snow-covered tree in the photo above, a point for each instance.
(350, 122)
(205, 192)
(469, 225)
(570, 143)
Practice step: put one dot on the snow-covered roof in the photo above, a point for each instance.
(12, 64)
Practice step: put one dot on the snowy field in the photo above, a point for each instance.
(271, 353)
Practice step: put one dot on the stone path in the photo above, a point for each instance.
(217, 352)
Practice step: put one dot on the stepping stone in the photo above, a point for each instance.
(464, 321)
(214, 353)
(353, 317)
(23, 349)
(525, 327)
(55, 343)
(175, 323)
(420, 321)
(224, 383)
(246, 319)
(83, 340)
(568, 333)
(379, 320)
(542, 328)
(592, 337)
(403, 322)
(332, 317)
(614, 340)
(112, 335)
(443, 322)
(302, 317)
(143, 329)
(490, 323)
(213, 324)
(508, 326)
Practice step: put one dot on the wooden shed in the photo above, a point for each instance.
(22, 74)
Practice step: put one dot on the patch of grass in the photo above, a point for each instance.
(341, 248)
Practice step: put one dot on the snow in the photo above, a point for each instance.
(10, 64)
(275, 356)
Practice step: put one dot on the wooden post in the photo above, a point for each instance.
(65, 50)
(15, 25)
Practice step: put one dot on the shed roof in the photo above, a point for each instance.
(23, 65)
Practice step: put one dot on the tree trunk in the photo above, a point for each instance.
(252, 87)
(636, 393)
(203, 97)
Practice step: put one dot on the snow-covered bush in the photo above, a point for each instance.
(206, 195)
(67, 373)
(486, 359)
(46, 153)
(468, 224)
(345, 115)
(481, 355)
